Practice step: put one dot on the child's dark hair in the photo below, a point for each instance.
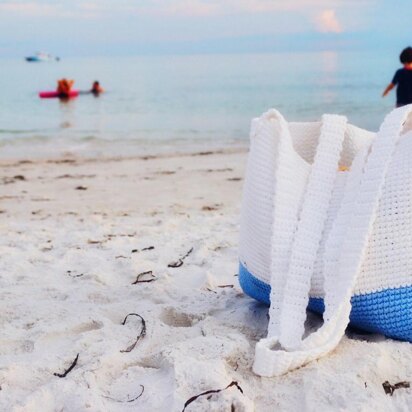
(406, 55)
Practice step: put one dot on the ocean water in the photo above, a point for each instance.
(182, 99)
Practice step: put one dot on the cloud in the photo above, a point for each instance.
(47, 9)
(185, 8)
(228, 7)
(327, 22)
(28, 8)
(101, 8)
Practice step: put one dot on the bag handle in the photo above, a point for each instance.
(341, 274)
(359, 207)
(284, 219)
(299, 266)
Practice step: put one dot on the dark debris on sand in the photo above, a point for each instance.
(141, 335)
(179, 262)
(71, 367)
(128, 400)
(390, 389)
(210, 392)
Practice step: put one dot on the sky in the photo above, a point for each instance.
(132, 27)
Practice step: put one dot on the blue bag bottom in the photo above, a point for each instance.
(388, 311)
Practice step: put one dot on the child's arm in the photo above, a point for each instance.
(388, 89)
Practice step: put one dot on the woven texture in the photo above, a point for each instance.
(336, 241)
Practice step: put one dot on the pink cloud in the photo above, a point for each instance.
(227, 7)
(192, 8)
(51, 10)
(327, 22)
(28, 8)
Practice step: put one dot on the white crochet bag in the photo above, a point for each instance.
(326, 224)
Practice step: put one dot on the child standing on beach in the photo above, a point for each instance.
(402, 79)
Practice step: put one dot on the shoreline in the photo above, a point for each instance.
(129, 148)
(69, 157)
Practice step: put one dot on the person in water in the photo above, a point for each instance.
(402, 79)
(96, 88)
(64, 87)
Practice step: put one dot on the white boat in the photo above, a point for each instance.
(42, 57)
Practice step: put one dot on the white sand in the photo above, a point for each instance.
(66, 274)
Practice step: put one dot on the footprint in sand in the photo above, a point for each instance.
(27, 346)
(87, 327)
(171, 317)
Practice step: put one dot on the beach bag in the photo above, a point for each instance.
(326, 224)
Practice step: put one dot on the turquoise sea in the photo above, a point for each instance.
(152, 99)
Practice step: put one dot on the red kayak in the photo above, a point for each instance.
(54, 94)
